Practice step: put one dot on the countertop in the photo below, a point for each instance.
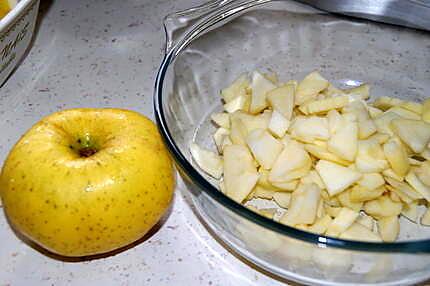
(105, 54)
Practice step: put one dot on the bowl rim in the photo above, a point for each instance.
(12, 15)
(413, 246)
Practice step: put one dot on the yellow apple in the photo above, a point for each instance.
(87, 181)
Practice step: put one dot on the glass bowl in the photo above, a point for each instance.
(207, 47)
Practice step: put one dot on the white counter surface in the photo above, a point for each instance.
(105, 54)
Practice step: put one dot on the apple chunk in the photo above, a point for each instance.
(309, 87)
(336, 178)
(236, 89)
(308, 129)
(278, 124)
(260, 86)
(240, 173)
(415, 133)
(397, 157)
(208, 161)
(264, 147)
(282, 99)
(344, 141)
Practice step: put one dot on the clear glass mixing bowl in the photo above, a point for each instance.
(209, 46)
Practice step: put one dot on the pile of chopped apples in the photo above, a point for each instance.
(333, 162)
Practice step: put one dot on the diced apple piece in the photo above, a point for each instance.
(404, 113)
(410, 211)
(414, 133)
(336, 178)
(374, 112)
(219, 136)
(208, 161)
(370, 157)
(361, 194)
(342, 221)
(385, 102)
(282, 100)
(324, 105)
(262, 193)
(264, 147)
(416, 183)
(388, 228)
(358, 231)
(323, 154)
(382, 207)
(394, 197)
(423, 173)
(321, 224)
(412, 106)
(381, 138)
(252, 122)
(260, 86)
(288, 186)
(263, 179)
(236, 89)
(389, 173)
(303, 206)
(240, 173)
(313, 177)
(309, 87)
(307, 129)
(332, 211)
(278, 124)
(366, 221)
(335, 121)
(362, 91)
(426, 110)
(239, 103)
(345, 201)
(397, 157)
(238, 131)
(366, 126)
(283, 199)
(291, 159)
(344, 141)
(331, 90)
(371, 181)
(425, 219)
(383, 122)
(221, 119)
(403, 188)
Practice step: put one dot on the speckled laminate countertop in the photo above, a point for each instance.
(105, 54)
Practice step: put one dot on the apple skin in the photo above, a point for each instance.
(75, 205)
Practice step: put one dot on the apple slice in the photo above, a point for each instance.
(262, 193)
(303, 206)
(278, 124)
(389, 173)
(238, 131)
(397, 157)
(385, 102)
(313, 177)
(208, 161)
(382, 207)
(324, 105)
(307, 129)
(293, 163)
(221, 119)
(426, 111)
(281, 99)
(413, 106)
(264, 147)
(240, 173)
(410, 211)
(370, 157)
(404, 188)
(373, 111)
(423, 173)
(404, 113)
(335, 121)
(344, 199)
(344, 141)
(260, 86)
(239, 103)
(361, 92)
(383, 122)
(416, 183)
(362, 194)
(388, 228)
(366, 126)
(425, 219)
(366, 221)
(359, 232)
(220, 136)
(288, 186)
(336, 178)
(371, 181)
(309, 87)
(283, 199)
(236, 89)
(252, 122)
(321, 224)
(342, 222)
(331, 91)
(414, 133)
(323, 154)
